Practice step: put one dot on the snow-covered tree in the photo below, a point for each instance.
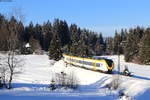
(144, 52)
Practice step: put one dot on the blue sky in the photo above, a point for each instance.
(104, 16)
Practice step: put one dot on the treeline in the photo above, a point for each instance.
(137, 46)
(52, 37)
(59, 37)
(134, 44)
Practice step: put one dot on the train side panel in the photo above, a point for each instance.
(88, 63)
(97, 65)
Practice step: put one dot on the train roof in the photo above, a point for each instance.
(100, 58)
(94, 57)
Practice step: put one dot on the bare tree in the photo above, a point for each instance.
(10, 61)
(64, 80)
(11, 66)
(3, 71)
(115, 83)
(0, 74)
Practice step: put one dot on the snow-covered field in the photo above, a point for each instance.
(33, 82)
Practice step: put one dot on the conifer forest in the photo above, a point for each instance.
(59, 37)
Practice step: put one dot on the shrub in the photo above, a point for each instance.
(115, 83)
(1, 85)
(63, 80)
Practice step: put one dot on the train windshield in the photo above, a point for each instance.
(109, 62)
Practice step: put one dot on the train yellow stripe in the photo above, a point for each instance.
(94, 60)
(90, 60)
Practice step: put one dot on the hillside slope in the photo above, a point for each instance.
(33, 82)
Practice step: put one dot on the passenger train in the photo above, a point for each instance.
(101, 64)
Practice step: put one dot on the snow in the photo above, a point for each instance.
(86, 77)
(38, 70)
(27, 45)
(139, 71)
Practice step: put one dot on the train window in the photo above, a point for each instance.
(72, 60)
(75, 60)
(88, 63)
(68, 59)
(92, 64)
(80, 61)
(109, 62)
(84, 62)
(97, 64)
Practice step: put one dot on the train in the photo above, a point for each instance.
(100, 64)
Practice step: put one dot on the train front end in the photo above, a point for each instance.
(110, 65)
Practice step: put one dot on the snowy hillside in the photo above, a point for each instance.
(33, 82)
(139, 71)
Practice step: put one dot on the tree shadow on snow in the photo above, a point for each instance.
(140, 77)
(94, 86)
(134, 76)
(29, 85)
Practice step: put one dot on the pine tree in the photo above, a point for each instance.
(47, 35)
(38, 34)
(28, 32)
(144, 52)
(99, 46)
(13, 30)
(82, 49)
(35, 45)
(64, 33)
(75, 33)
(55, 48)
(131, 48)
(116, 43)
(109, 46)
(3, 33)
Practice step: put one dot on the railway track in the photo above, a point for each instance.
(67, 65)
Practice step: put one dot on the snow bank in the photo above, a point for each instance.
(85, 77)
(139, 71)
(143, 95)
(38, 71)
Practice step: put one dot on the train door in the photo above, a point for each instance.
(94, 66)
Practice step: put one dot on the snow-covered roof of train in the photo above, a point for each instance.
(94, 57)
